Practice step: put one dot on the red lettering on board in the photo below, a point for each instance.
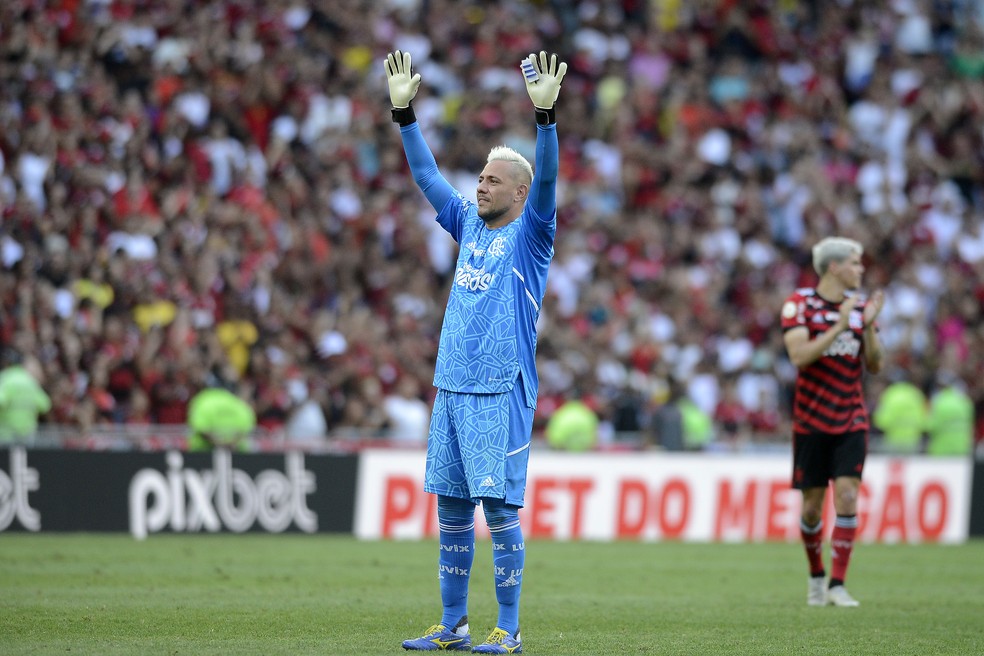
(579, 487)
(734, 511)
(893, 507)
(632, 495)
(399, 501)
(676, 494)
(542, 507)
(776, 512)
(931, 525)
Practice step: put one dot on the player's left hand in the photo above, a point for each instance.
(543, 79)
(402, 85)
(873, 307)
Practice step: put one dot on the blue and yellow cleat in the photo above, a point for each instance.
(500, 642)
(438, 637)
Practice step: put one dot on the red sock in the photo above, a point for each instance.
(813, 543)
(841, 545)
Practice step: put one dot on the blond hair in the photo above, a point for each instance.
(834, 249)
(507, 154)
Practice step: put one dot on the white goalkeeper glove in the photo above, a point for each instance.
(543, 79)
(402, 86)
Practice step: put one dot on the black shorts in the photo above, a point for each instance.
(818, 457)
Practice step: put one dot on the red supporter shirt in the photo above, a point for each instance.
(829, 397)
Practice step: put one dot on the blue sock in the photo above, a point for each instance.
(508, 557)
(456, 524)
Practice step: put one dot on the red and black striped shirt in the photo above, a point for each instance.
(829, 397)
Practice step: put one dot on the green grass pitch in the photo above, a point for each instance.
(297, 594)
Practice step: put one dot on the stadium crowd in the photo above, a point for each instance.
(210, 193)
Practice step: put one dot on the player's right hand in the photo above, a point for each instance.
(402, 86)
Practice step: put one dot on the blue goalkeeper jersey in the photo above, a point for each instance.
(489, 334)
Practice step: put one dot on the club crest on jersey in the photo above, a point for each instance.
(497, 247)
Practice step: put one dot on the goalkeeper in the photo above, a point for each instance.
(479, 440)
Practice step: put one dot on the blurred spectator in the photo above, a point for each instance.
(666, 426)
(407, 413)
(731, 417)
(306, 422)
(901, 415)
(22, 399)
(951, 422)
(698, 426)
(237, 334)
(217, 418)
(573, 427)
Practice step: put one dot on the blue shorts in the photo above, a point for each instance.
(479, 445)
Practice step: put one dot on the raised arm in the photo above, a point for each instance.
(402, 88)
(543, 78)
(873, 354)
(423, 166)
(543, 190)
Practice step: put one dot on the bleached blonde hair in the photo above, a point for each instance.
(507, 154)
(834, 249)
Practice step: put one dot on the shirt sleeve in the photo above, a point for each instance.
(423, 166)
(543, 190)
(793, 313)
